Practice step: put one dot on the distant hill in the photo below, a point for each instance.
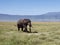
(50, 16)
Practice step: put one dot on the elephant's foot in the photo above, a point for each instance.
(25, 31)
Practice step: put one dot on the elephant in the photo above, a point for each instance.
(23, 23)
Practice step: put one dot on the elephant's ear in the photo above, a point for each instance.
(24, 21)
(30, 25)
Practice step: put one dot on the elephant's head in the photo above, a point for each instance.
(28, 22)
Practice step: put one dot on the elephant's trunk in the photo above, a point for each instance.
(30, 26)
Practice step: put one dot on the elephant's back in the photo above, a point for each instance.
(23, 21)
(20, 21)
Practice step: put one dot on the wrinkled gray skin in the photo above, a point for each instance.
(23, 23)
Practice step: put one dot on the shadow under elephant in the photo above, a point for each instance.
(30, 32)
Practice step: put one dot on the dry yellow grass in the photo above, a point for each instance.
(48, 34)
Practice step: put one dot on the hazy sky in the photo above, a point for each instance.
(29, 7)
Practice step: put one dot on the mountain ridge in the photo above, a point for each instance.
(50, 16)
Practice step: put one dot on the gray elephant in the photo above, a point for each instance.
(23, 23)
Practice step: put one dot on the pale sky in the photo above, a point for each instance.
(29, 7)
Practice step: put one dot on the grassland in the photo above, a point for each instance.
(48, 33)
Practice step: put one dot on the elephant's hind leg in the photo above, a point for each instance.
(18, 28)
(30, 29)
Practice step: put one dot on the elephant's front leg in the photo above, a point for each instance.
(25, 28)
(22, 28)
